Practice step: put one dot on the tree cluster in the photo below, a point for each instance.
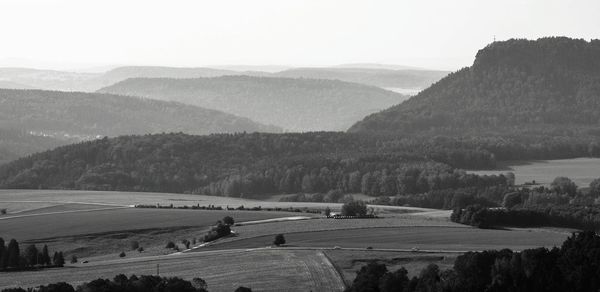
(12, 258)
(572, 267)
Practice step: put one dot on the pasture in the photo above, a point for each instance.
(261, 270)
(581, 170)
(408, 237)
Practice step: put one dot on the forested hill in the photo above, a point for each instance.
(549, 86)
(293, 104)
(267, 163)
(73, 116)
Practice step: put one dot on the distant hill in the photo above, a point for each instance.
(550, 86)
(74, 116)
(27, 78)
(16, 143)
(370, 74)
(293, 104)
(13, 85)
(380, 77)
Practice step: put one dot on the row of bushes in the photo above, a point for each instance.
(239, 208)
(121, 283)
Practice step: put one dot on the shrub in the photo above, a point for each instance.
(3, 211)
(228, 220)
(73, 259)
(122, 254)
(354, 208)
(170, 244)
(279, 240)
(140, 249)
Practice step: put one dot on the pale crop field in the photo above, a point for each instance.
(261, 270)
(581, 170)
(408, 237)
(9, 197)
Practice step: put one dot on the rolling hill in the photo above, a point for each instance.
(414, 79)
(293, 104)
(74, 116)
(549, 86)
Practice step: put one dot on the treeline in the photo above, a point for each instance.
(13, 259)
(567, 216)
(122, 283)
(572, 267)
(560, 205)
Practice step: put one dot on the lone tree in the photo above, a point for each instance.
(327, 211)
(228, 220)
(354, 208)
(279, 240)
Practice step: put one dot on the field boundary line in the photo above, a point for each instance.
(336, 268)
(64, 212)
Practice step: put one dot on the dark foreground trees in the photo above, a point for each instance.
(572, 267)
(13, 259)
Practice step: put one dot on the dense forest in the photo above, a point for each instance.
(293, 104)
(247, 164)
(549, 86)
(418, 172)
(572, 267)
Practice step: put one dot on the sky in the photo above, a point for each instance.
(444, 34)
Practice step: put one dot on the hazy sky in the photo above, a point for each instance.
(435, 34)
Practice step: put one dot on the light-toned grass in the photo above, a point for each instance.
(263, 270)
(581, 170)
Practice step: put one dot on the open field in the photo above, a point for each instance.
(581, 170)
(109, 232)
(261, 270)
(106, 221)
(423, 238)
(348, 262)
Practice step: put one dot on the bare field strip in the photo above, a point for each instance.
(424, 238)
(261, 270)
(135, 198)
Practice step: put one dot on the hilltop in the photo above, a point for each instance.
(293, 104)
(548, 86)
